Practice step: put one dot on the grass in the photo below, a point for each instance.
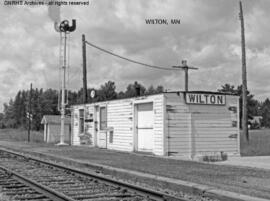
(20, 135)
(258, 145)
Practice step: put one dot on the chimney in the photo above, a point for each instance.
(137, 89)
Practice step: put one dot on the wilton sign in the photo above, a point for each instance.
(205, 99)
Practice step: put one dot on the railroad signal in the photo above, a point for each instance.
(29, 116)
(63, 28)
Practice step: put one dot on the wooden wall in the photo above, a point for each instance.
(177, 121)
(121, 119)
(201, 129)
(213, 129)
(180, 129)
(53, 135)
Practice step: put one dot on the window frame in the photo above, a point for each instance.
(81, 121)
(103, 123)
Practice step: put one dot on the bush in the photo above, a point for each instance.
(215, 157)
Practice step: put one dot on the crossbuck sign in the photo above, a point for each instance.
(205, 98)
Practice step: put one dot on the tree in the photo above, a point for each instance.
(46, 102)
(265, 111)
(152, 90)
(107, 91)
(131, 90)
(9, 118)
(2, 125)
(20, 109)
(252, 104)
(49, 102)
(227, 88)
(159, 89)
(121, 95)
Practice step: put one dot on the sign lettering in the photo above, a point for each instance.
(205, 99)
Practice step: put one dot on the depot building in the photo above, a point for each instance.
(191, 124)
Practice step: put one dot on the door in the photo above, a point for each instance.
(102, 133)
(145, 127)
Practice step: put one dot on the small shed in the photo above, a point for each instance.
(52, 127)
(255, 122)
(194, 123)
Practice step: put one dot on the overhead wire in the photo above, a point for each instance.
(127, 59)
(74, 76)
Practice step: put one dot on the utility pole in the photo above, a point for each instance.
(85, 96)
(29, 115)
(244, 76)
(185, 67)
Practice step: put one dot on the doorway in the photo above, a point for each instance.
(145, 127)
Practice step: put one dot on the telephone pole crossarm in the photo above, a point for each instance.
(185, 67)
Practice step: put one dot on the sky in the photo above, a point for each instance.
(208, 37)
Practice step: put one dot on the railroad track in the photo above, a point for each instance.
(43, 180)
(17, 187)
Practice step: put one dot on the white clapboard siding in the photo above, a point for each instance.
(212, 128)
(199, 129)
(119, 117)
(178, 125)
(158, 108)
(178, 128)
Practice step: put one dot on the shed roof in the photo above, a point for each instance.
(54, 119)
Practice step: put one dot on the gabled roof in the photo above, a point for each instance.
(54, 119)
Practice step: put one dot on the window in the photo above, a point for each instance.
(111, 137)
(103, 118)
(81, 120)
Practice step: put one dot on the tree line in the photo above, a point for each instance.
(46, 102)
(254, 107)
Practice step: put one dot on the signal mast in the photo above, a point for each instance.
(63, 28)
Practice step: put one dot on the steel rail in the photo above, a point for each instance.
(143, 191)
(48, 192)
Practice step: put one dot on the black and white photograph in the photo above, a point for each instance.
(134, 100)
